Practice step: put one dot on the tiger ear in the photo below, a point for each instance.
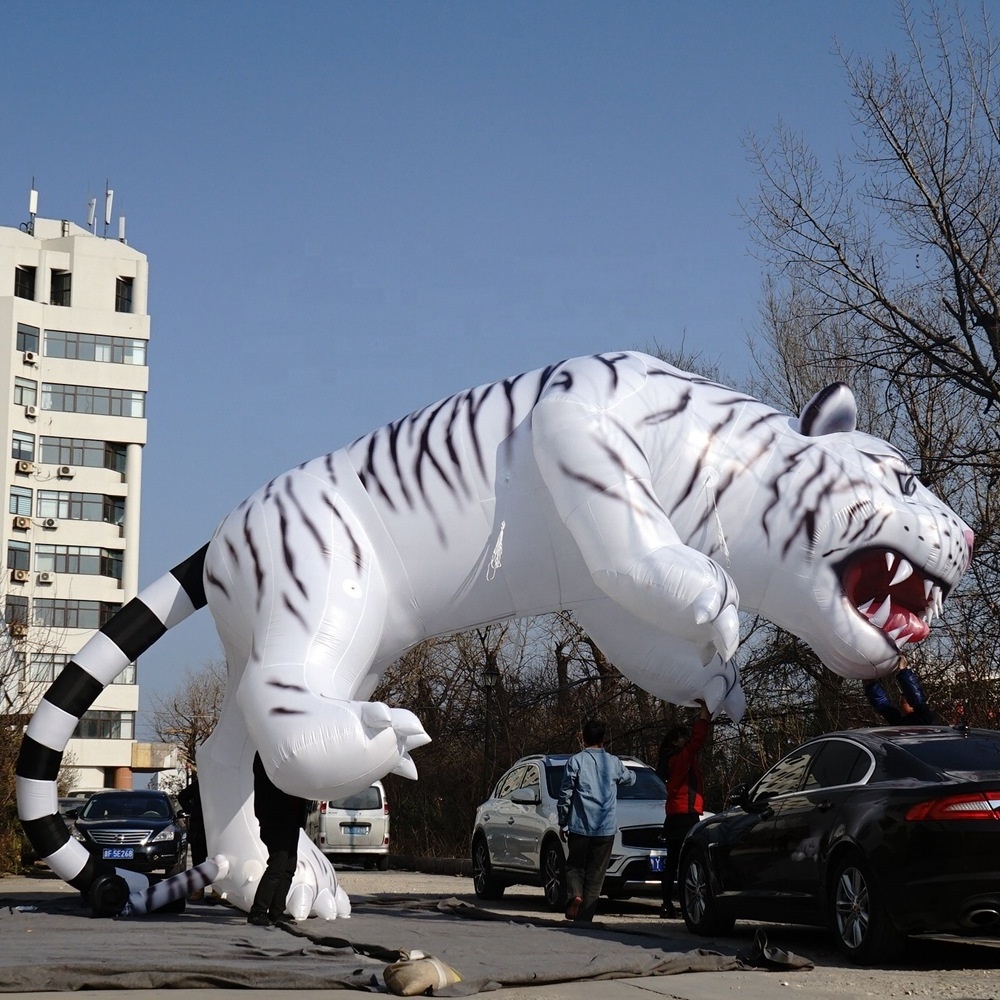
(832, 410)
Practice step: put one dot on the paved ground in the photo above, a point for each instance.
(934, 967)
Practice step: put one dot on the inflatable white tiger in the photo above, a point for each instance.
(650, 501)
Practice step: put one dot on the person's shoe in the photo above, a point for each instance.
(573, 908)
(668, 912)
(259, 920)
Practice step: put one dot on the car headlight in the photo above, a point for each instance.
(75, 833)
(167, 833)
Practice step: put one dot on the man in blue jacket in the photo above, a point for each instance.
(587, 814)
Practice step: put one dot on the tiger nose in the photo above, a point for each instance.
(970, 541)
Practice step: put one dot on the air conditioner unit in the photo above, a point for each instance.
(30, 358)
(65, 472)
(46, 577)
(25, 467)
(22, 523)
(20, 575)
(50, 522)
(31, 411)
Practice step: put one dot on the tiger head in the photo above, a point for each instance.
(867, 553)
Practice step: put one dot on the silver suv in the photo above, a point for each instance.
(516, 836)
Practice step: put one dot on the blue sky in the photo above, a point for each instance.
(353, 209)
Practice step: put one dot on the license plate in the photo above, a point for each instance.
(656, 862)
(354, 831)
(118, 853)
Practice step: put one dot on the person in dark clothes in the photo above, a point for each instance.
(281, 816)
(190, 800)
(912, 708)
(678, 766)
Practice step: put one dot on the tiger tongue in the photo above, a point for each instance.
(896, 621)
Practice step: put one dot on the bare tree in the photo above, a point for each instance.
(885, 274)
(899, 247)
(187, 717)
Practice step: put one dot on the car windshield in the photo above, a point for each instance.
(369, 798)
(972, 754)
(125, 807)
(647, 785)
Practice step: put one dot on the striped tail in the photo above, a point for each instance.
(135, 628)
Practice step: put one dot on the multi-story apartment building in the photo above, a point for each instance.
(74, 333)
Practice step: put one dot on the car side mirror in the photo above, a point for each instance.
(72, 814)
(739, 796)
(525, 796)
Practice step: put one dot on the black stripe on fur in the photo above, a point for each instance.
(74, 690)
(134, 629)
(90, 873)
(38, 761)
(47, 833)
(190, 575)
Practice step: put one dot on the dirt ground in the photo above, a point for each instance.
(939, 967)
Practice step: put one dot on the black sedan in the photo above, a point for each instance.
(137, 830)
(875, 833)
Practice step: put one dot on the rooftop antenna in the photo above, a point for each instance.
(109, 197)
(32, 208)
(121, 228)
(91, 213)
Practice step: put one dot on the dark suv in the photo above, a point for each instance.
(140, 831)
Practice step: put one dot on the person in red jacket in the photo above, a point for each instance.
(678, 767)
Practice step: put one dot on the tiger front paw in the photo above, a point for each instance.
(684, 593)
(349, 745)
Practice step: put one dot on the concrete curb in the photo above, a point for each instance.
(432, 866)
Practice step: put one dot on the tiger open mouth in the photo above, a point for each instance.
(892, 594)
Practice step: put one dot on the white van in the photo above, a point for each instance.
(354, 828)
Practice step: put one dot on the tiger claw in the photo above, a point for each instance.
(406, 768)
(376, 715)
(727, 632)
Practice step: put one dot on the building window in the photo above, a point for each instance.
(44, 668)
(22, 445)
(73, 614)
(95, 347)
(16, 612)
(127, 675)
(105, 725)
(18, 555)
(81, 506)
(93, 399)
(27, 337)
(123, 295)
(88, 560)
(20, 501)
(25, 391)
(61, 282)
(24, 282)
(83, 452)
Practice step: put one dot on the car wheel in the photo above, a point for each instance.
(858, 915)
(554, 874)
(486, 884)
(177, 868)
(698, 903)
(382, 863)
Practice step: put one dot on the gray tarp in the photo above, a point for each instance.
(49, 941)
